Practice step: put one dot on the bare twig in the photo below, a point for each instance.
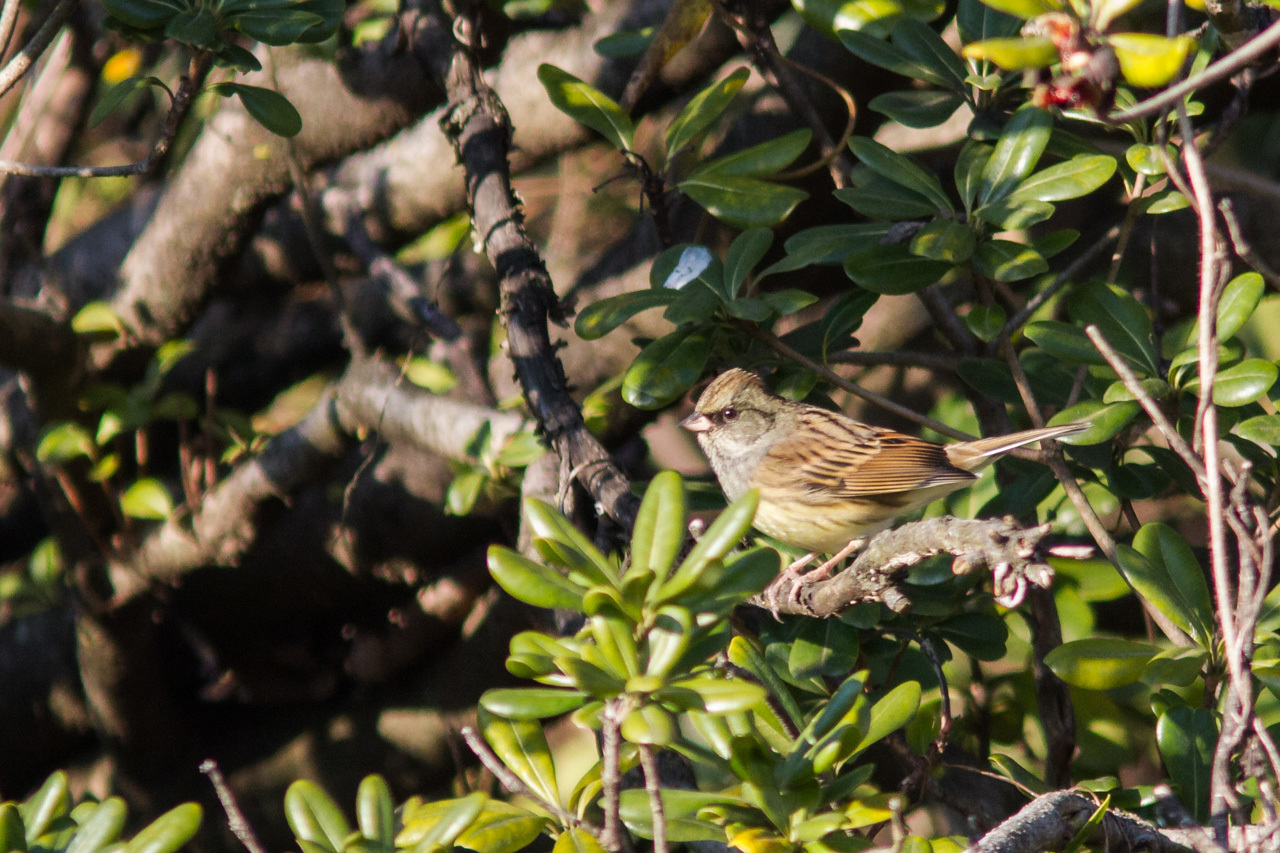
(611, 776)
(652, 785)
(897, 358)
(20, 64)
(236, 821)
(1017, 321)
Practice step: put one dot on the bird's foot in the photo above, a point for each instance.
(796, 579)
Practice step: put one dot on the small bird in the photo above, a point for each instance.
(825, 480)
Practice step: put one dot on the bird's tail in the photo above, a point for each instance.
(974, 455)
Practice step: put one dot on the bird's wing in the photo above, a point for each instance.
(832, 456)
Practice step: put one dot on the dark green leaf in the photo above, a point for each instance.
(270, 109)
(825, 244)
(919, 41)
(588, 105)
(788, 301)
(944, 240)
(666, 368)
(1064, 341)
(893, 270)
(1187, 738)
(625, 45)
(1076, 177)
(600, 318)
(1122, 320)
(758, 161)
(1105, 421)
(1099, 663)
(703, 109)
(144, 14)
(880, 53)
(917, 108)
(1009, 215)
(970, 163)
(822, 647)
(878, 197)
(978, 21)
(742, 202)
(1016, 153)
(1170, 578)
(744, 253)
(1004, 260)
(195, 27)
(897, 168)
(979, 635)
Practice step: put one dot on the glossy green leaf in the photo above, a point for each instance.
(649, 725)
(1171, 579)
(880, 53)
(1100, 663)
(897, 168)
(1009, 767)
(1262, 429)
(1241, 384)
(375, 812)
(660, 526)
(1016, 153)
(522, 746)
(703, 109)
(667, 368)
(13, 835)
(1122, 320)
(196, 27)
(577, 840)
(1073, 178)
(822, 647)
(917, 108)
(1178, 667)
(1064, 341)
(788, 301)
(724, 695)
(1239, 300)
(668, 639)
(923, 44)
(758, 161)
(825, 244)
(531, 703)
(977, 21)
(588, 105)
(877, 197)
(101, 829)
(143, 14)
(742, 202)
(1014, 54)
(893, 270)
(1118, 392)
(1149, 60)
(724, 533)
(1187, 738)
(434, 827)
(985, 321)
(64, 442)
(625, 45)
(314, 816)
(269, 108)
(1105, 421)
(744, 253)
(615, 643)
(944, 240)
(680, 808)
(1009, 215)
(501, 828)
(979, 635)
(464, 491)
(532, 582)
(170, 831)
(50, 802)
(970, 163)
(1146, 160)
(1167, 202)
(1004, 260)
(147, 498)
(893, 711)
(600, 318)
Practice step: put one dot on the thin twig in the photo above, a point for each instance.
(20, 64)
(611, 776)
(8, 18)
(236, 821)
(652, 782)
(514, 784)
(897, 358)
(1086, 257)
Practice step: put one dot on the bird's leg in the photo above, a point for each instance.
(789, 574)
(824, 571)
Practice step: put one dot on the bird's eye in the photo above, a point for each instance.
(729, 415)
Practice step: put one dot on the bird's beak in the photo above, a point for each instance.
(697, 422)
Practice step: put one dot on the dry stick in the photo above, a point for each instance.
(190, 84)
(898, 358)
(651, 785)
(778, 346)
(236, 821)
(1086, 257)
(514, 784)
(8, 18)
(30, 52)
(611, 775)
(1220, 70)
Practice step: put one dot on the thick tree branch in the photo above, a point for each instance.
(1051, 821)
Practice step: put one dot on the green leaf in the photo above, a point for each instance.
(1122, 320)
(894, 710)
(100, 830)
(434, 827)
(725, 532)
(1149, 60)
(979, 635)
(985, 321)
(1016, 153)
(649, 725)
(64, 442)
(600, 318)
(531, 703)
(918, 108)
(625, 45)
(147, 498)
(1004, 260)
(144, 14)
(744, 253)
(893, 270)
(196, 27)
(703, 109)
(1099, 663)
(13, 835)
(742, 202)
(41, 809)
(919, 41)
(501, 828)
(1014, 54)
(1167, 202)
(668, 639)
(944, 240)
(1105, 421)
(1076, 177)
(522, 746)
(1064, 341)
(314, 817)
(531, 582)
(789, 301)
(880, 53)
(680, 808)
(667, 368)
(1241, 384)
(1008, 215)
(758, 161)
(1025, 9)
(724, 695)
(1261, 429)
(1179, 667)
(587, 105)
(970, 163)
(1240, 299)
(660, 526)
(825, 244)
(577, 840)
(897, 168)
(1146, 160)
(270, 109)
(1171, 579)
(1187, 738)
(375, 812)
(822, 647)
(464, 490)
(878, 197)
(977, 21)
(168, 832)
